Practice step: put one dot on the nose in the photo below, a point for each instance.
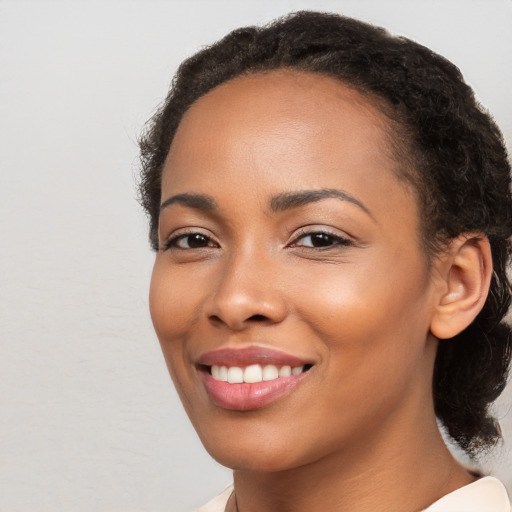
(247, 293)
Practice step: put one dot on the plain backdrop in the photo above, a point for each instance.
(88, 417)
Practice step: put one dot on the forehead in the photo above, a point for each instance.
(288, 90)
(280, 114)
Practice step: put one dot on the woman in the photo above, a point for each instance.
(332, 217)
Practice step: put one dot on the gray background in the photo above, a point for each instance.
(88, 416)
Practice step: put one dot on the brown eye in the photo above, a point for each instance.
(196, 241)
(320, 240)
(190, 241)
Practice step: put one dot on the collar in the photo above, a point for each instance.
(487, 494)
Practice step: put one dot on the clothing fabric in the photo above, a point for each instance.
(218, 504)
(485, 495)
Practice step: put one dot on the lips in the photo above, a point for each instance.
(250, 378)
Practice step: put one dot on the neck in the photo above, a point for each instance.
(406, 468)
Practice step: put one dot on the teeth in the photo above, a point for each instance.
(215, 372)
(270, 372)
(235, 375)
(253, 373)
(220, 373)
(285, 371)
(223, 373)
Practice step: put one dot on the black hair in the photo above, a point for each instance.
(446, 146)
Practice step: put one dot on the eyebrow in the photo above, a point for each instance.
(290, 200)
(197, 201)
(281, 202)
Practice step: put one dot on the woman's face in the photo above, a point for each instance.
(287, 241)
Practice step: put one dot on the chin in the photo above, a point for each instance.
(246, 450)
(258, 461)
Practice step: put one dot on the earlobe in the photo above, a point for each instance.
(466, 271)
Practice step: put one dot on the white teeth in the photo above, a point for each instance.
(253, 373)
(285, 371)
(235, 375)
(270, 372)
(223, 373)
(220, 373)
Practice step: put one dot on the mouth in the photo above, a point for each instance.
(251, 378)
(254, 373)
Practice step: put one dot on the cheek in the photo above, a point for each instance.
(173, 312)
(172, 302)
(371, 334)
(368, 314)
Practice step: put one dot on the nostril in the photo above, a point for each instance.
(216, 319)
(235, 323)
(257, 318)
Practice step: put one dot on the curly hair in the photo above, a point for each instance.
(445, 144)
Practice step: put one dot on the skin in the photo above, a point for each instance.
(359, 432)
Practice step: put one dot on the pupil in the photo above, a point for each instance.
(321, 240)
(196, 241)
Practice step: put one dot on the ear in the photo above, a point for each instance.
(465, 272)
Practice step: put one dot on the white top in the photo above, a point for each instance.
(485, 495)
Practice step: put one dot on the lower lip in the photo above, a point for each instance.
(247, 397)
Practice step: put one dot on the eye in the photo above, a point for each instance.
(320, 240)
(190, 241)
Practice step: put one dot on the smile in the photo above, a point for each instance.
(250, 378)
(254, 373)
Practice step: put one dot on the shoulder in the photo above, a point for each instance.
(218, 504)
(487, 494)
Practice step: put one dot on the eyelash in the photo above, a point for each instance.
(336, 241)
(172, 243)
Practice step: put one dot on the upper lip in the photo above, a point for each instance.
(249, 355)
